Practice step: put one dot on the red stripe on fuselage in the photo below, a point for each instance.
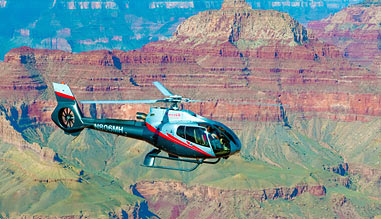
(190, 146)
(64, 95)
(175, 140)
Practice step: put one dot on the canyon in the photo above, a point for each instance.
(307, 115)
(281, 64)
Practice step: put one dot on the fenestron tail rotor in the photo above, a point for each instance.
(66, 117)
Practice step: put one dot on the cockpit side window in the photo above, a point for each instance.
(225, 132)
(196, 135)
(193, 134)
(189, 134)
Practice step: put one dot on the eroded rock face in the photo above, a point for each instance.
(242, 57)
(139, 210)
(236, 22)
(356, 30)
(174, 199)
(9, 135)
(234, 58)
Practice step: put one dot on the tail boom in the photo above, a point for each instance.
(68, 116)
(128, 128)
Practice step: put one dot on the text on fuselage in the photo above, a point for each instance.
(174, 115)
(109, 128)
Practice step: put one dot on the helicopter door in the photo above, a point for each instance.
(195, 135)
(219, 141)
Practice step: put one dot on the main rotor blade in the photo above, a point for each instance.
(191, 101)
(264, 104)
(119, 101)
(270, 104)
(162, 89)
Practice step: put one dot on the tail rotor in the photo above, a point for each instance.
(66, 117)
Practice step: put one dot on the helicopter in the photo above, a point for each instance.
(182, 134)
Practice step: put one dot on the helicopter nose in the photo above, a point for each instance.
(236, 147)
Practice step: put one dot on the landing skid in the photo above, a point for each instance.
(150, 158)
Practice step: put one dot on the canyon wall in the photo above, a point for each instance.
(247, 69)
(300, 106)
(78, 25)
(356, 31)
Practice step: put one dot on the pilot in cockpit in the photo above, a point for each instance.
(214, 138)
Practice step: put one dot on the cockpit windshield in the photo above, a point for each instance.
(219, 140)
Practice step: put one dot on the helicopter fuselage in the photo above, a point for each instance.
(178, 132)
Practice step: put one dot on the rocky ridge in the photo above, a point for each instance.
(11, 136)
(237, 23)
(356, 30)
(155, 188)
(79, 25)
(281, 64)
(173, 199)
(233, 73)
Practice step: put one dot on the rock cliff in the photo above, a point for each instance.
(84, 25)
(237, 23)
(356, 30)
(243, 63)
(242, 56)
(174, 199)
(9, 135)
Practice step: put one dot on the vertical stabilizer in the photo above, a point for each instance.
(63, 93)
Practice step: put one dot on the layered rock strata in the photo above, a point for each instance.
(242, 61)
(356, 30)
(176, 199)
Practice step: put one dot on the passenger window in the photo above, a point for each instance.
(197, 135)
(190, 133)
(181, 131)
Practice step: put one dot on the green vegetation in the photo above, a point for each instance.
(31, 186)
(250, 44)
(272, 156)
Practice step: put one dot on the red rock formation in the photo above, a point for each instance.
(355, 30)
(180, 199)
(234, 58)
(365, 172)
